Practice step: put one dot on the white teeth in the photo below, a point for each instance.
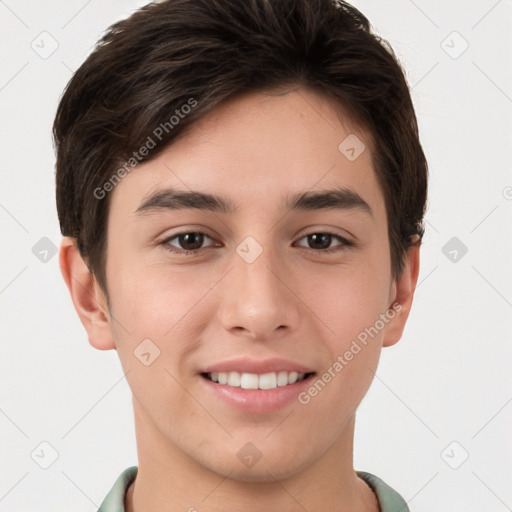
(234, 379)
(268, 381)
(282, 378)
(292, 377)
(254, 381)
(249, 381)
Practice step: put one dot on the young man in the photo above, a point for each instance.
(241, 189)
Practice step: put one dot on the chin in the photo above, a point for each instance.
(263, 471)
(261, 475)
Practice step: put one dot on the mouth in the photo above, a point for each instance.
(264, 381)
(256, 385)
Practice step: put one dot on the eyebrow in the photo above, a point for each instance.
(332, 199)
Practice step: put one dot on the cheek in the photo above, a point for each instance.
(154, 333)
(161, 313)
(351, 306)
(152, 299)
(347, 300)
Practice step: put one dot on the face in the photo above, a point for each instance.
(252, 283)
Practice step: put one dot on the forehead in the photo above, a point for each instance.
(258, 147)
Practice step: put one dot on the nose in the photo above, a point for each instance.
(258, 299)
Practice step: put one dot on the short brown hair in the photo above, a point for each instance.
(147, 67)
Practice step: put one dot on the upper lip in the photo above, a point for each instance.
(246, 365)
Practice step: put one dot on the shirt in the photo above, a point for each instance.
(389, 500)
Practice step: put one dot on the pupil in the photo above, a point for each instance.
(320, 240)
(188, 239)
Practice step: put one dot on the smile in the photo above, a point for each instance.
(270, 380)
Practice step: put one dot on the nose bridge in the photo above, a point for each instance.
(255, 271)
(257, 302)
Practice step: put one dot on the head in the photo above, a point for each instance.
(255, 106)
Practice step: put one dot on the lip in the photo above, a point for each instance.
(246, 365)
(259, 401)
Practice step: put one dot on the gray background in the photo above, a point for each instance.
(434, 422)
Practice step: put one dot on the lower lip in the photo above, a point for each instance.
(257, 400)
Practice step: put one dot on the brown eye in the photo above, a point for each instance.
(191, 241)
(321, 242)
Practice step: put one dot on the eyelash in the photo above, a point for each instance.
(185, 252)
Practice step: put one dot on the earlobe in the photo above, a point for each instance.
(87, 296)
(404, 288)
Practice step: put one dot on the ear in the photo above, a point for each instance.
(88, 298)
(401, 296)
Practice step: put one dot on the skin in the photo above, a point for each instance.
(292, 302)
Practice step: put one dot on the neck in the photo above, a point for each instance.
(168, 479)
